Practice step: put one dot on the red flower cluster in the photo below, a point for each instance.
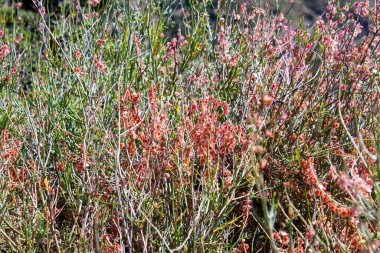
(201, 139)
(319, 190)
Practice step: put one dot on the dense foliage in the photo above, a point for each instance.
(239, 132)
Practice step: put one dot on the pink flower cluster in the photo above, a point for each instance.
(200, 140)
(4, 50)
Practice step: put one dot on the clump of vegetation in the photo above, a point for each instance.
(239, 133)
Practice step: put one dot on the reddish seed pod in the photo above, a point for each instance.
(226, 173)
(263, 163)
(318, 192)
(101, 42)
(267, 100)
(228, 181)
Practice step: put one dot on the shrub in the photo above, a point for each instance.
(243, 134)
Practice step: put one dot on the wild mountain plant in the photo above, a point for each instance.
(245, 134)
